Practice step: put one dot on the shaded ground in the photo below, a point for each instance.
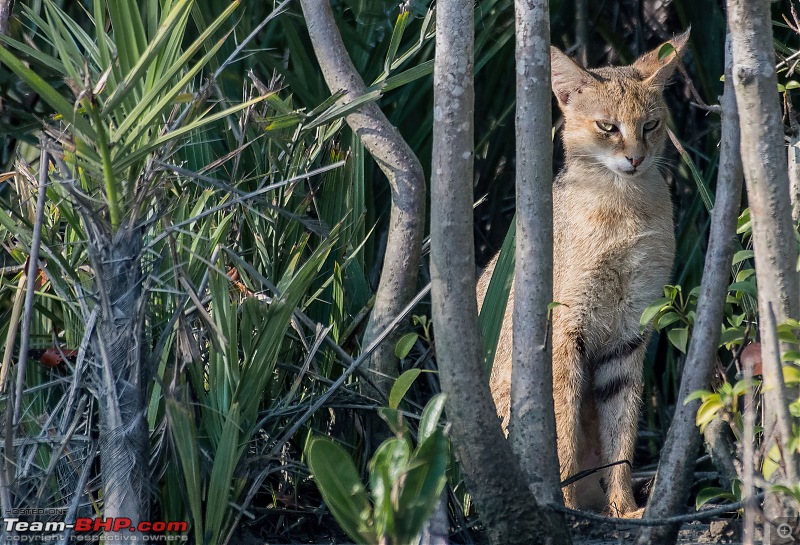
(717, 531)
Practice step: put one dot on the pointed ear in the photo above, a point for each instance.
(566, 76)
(658, 65)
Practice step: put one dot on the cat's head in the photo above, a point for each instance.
(616, 117)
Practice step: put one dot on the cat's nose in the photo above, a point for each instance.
(635, 161)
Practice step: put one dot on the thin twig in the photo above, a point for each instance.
(280, 8)
(784, 419)
(748, 457)
(33, 268)
(247, 196)
(679, 519)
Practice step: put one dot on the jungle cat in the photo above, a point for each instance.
(613, 251)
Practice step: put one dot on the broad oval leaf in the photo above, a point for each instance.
(401, 386)
(430, 417)
(679, 337)
(651, 311)
(341, 487)
(712, 493)
(422, 486)
(405, 344)
(385, 471)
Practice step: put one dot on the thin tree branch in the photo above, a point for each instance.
(646, 523)
(403, 170)
(768, 191)
(532, 424)
(5, 14)
(674, 476)
(33, 268)
(508, 508)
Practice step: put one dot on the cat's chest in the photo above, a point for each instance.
(598, 224)
(612, 243)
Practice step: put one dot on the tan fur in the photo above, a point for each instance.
(613, 252)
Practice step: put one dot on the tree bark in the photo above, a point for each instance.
(532, 427)
(582, 31)
(507, 507)
(119, 383)
(404, 171)
(5, 14)
(676, 466)
(794, 161)
(766, 175)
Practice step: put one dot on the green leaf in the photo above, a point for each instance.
(183, 430)
(175, 21)
(342, 110)
(341, 488)
(201, 121)
(422, 487)
(153, 103)
(672, 292)
(129, 36)
(741, 255)
(742, 386)
(708, 410)
(226, 456)
(36, 55)
(712, 493)
(744, 287)
(665, 50)
(702, 186)
(679, 337)
(407, 76)
(394, 419)
(731, 335)
(697, 394)
(791, 374)
(394, 43)
(48, 94)
(490, 320)
(405, 344)
(744, 224)
(401, 387)
(666, 319)
(744, 274)
(385, 471)
(772, 462)
(791, 355)
(429, 422)
(651, 311)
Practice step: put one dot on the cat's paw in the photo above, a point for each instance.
(632, 512)
(635, 514)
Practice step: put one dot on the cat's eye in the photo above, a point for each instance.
(650, 125)
(606, 126)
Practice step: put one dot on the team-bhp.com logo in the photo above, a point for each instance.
(93, 529)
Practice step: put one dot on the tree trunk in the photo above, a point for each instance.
(404, 171)
(507, 507)
(676, 466)
(119, 382)
(582, 31)
(5, 14)
(764, 160)
(532, 427)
